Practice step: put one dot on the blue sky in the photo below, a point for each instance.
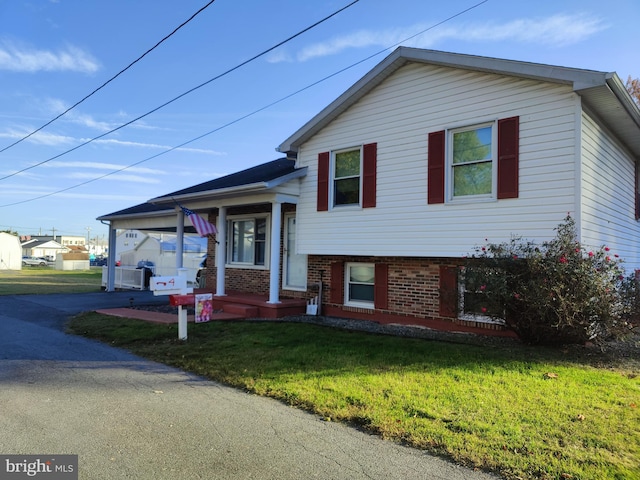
(55, 52)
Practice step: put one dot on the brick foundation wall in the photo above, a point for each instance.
(413, 287)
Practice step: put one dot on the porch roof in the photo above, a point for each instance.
(259, 178)
(159, 213)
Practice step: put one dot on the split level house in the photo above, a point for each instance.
(378, 197)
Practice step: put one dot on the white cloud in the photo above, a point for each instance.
(279, 56)
(103, 166)
(557, 30)
(52, 139)
(14, 192)
(112, 141)
(42, 138)
(19, 58)
(119, 177)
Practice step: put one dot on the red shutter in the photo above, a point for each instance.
(337, 283)
(323, 181)
(381, 288)
(448, 291)
(508, 140)
(370, 154)
(435, 167)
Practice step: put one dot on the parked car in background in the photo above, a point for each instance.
(36, 262)
(98, 261)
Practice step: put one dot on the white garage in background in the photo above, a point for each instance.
(10, 252)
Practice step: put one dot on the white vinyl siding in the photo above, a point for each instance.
(398, 115)
(608, 204)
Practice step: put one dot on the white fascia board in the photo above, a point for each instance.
(578, 78)
(209, 194)
(238, 190)
(133, 216)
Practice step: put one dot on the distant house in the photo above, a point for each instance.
(45, 247)
(10, 252)
(128, 240)
(384, 192)
(158, 252)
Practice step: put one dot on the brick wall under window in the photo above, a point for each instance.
(413, 283)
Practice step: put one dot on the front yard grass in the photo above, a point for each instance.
(45, 280)
(521, 412)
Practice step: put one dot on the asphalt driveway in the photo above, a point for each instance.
(126, 417)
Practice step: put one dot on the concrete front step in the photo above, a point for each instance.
(246, 311)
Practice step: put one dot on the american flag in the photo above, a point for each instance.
(203, 227)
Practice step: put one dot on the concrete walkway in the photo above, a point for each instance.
(126, 417)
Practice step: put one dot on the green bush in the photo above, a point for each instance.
(554, 293)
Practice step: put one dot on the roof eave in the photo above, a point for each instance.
(227, 192)
(126, 216)
(579, 79)
(208, 194)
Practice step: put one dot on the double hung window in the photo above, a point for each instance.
(247, 242)
(472, 161)
(360, 284)
(346, 177)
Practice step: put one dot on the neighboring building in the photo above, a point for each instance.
(42, 247)
(10, 252)
(385, 191)
(158, 252)
(71, 240)
(128, 240)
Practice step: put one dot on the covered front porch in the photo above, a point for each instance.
(253, 211)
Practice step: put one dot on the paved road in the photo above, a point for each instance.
(126, 417)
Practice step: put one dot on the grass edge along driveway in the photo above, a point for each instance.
(521, 412)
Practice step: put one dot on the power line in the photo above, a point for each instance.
(191, 90)
(237, 120)
(108, 81)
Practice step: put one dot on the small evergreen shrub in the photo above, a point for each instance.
(555, 293)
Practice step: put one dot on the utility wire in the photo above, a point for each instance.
(237, 120)
(108, 81)
(191, 90)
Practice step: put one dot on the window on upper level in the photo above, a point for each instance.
(471, 162)
(474, 162)
(346, 177)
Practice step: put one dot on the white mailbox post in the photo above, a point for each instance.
(174, 285)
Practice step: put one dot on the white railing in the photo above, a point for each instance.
(133, 278)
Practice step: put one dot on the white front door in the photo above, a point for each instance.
(295, 266)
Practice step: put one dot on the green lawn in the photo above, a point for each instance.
(44, 280)
(523, 412)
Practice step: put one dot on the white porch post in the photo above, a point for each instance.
(179, 239)
(274, 264)
(221, 251)
(111, 262)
